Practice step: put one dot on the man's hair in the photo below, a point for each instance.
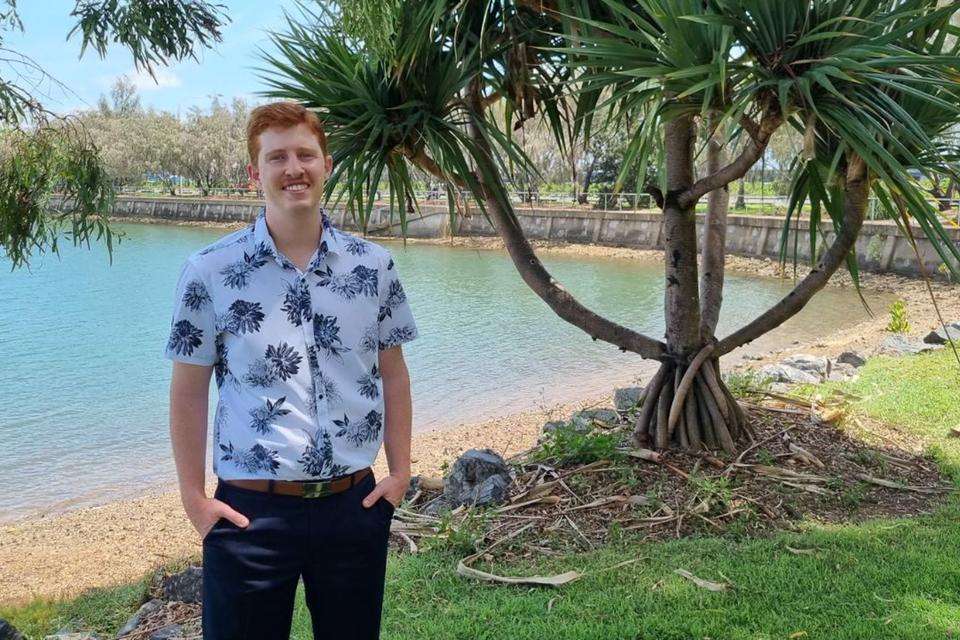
(283, 115)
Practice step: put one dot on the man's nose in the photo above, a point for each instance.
(293, 167)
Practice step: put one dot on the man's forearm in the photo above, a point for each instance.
(398, 410)
(188, 435)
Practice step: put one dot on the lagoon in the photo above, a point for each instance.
(83, 387)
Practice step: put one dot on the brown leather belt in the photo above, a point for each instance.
(302, 489)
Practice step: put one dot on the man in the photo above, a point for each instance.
(302, 325)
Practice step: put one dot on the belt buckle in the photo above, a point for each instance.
(316, 489)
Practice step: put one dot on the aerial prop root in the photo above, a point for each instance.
(686, 405)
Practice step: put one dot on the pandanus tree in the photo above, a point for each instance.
(872, 86)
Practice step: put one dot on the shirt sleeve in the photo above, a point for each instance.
(396, 324)
(193, 327)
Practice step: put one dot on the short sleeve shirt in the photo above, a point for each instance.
(295, 353)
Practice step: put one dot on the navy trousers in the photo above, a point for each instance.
(338, 547)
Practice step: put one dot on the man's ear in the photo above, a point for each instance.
(327, 166)
(253, 173)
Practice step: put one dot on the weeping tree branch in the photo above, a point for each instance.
(759, 138)
(855, 199)
(531, 270)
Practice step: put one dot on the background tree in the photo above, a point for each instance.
(212, 152)
(117, 129)
(871, 86)
(44, 153)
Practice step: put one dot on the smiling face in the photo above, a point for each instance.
(291, 169)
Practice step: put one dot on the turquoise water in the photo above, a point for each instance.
(83, 408)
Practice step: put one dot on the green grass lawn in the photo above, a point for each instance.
(897, 578)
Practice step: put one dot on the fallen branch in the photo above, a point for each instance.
(464, 568)
(700, 582)
(891, 484)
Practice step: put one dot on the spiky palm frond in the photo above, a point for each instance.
(878, 80)
(382, 113)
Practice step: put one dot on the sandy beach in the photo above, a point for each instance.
(61, 555)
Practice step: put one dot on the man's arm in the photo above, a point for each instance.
(398, 416)
(189, 389)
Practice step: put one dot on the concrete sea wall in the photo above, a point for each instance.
(882, 246)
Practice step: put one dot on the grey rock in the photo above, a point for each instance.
(626, 398)
(71, 635)
(607, 416)
(842, 371)
(815, 365)
(853, 358)
(436, 507)
(784, 373)
(168, 632)
(899, 345)
(580, 426)
(146, 609)
(942, 335)
(8, 631)
(186, 586)
(479, 477)
(412, 488)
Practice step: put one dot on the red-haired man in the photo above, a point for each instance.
(302, 325)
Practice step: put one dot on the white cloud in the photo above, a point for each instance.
(163, 79)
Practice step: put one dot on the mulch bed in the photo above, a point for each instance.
(800, 466)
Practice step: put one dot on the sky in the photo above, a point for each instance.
(227, 70)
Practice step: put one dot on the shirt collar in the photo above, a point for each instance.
(329, 242)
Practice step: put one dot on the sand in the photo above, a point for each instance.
(61, 555)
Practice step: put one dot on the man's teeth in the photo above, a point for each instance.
(295, 187)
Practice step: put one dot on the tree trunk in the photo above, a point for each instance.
(714, 243)
(587, 179)
(741, 192)
(686, 403)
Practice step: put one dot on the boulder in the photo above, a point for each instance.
(900, 345)
(436, 507)
(479, 477)
(788, 374)
(606, 416)
(72, 635)
(941, 335)
(853, 358)
(580, 426)
(842, 371)
(8, 631)
(167, 632)
(626, 398)
(146, 610)
(815, 365)
(186, 586)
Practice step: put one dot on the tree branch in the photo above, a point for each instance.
(532, 271)
(855, 199)
(428, 164)
(491, 99)
(759, 138)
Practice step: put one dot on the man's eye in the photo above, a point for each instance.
(307, 156)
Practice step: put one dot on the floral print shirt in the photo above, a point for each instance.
(294, 352)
